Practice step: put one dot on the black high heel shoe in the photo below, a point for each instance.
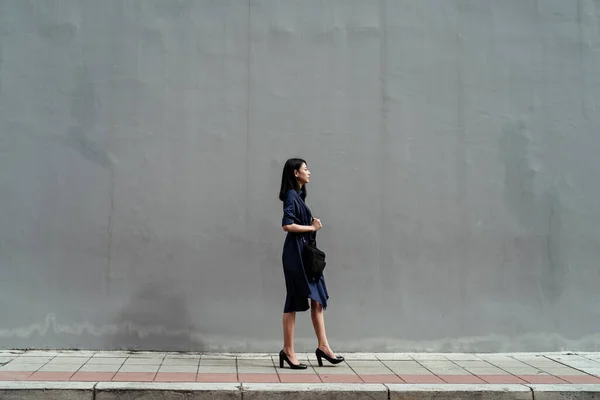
(283, 357)
(321, 354)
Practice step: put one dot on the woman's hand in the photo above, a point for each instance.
(316, 224)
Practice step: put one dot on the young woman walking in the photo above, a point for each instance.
(300, 227)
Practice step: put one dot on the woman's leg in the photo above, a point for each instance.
(289, 325)
(318, 320)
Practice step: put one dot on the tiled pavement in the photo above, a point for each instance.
(386, 368)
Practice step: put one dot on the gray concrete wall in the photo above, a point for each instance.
(453, 144)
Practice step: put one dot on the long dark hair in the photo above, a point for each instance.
(288, 179)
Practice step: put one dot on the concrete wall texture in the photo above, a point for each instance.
(453, 144)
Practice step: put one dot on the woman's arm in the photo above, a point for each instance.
(315, 226)
(289, 216)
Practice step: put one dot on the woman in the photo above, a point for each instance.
(300, 226)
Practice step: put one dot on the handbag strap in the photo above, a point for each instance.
(312, 236)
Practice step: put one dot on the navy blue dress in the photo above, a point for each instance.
(299, 287)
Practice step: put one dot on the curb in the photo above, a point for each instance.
(310, 391)
(275, 391)
(47, 390)
(167, 391)
(570, 392)
(460, 391)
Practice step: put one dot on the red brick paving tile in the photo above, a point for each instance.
(461, 379)
(92, 376)
(258, 378)
(421, 379)
(382, 378)
(214, 377)
(340, 378)
(580, 378)
(541, 379)
(134, 377)
(299, 378)
(14, 376)
(175, 377)
(501, 379)
(50, 376)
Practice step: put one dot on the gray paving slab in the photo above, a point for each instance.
(373, 371)
(182, 361)
(219, 356)
(139, 368)
(67, 360)
(428, 356)
(41, 353)
(143, 361)
(532, 358)
(548, 364)
(579, 364)
(266, 362)
(462, 356)
(563, 371)
(474, 364)
(358, 356)
(183, 355)
(60, 368)
(100, 368)
(105, 354)
(20, 367)
(569, 358)
(591, 371)
(179, 368)
(440, 364)
(217, 362)
(449, 371)
(256, 370)
(217, 369)
(32, 360)
(105, 360)
(147, 354)
(402, 364)
(507, 363)
(525, 371)
(394, 356)
(487, 371)
(241, 355)
(406, 367)
(501, 361)
(593, 357)
(9, 352)
(365, 363)
(76, 353)
(420, 371)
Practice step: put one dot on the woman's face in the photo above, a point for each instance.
(302, 174)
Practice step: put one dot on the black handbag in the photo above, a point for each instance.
(313, 259)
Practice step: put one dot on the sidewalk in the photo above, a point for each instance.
(518, 373)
